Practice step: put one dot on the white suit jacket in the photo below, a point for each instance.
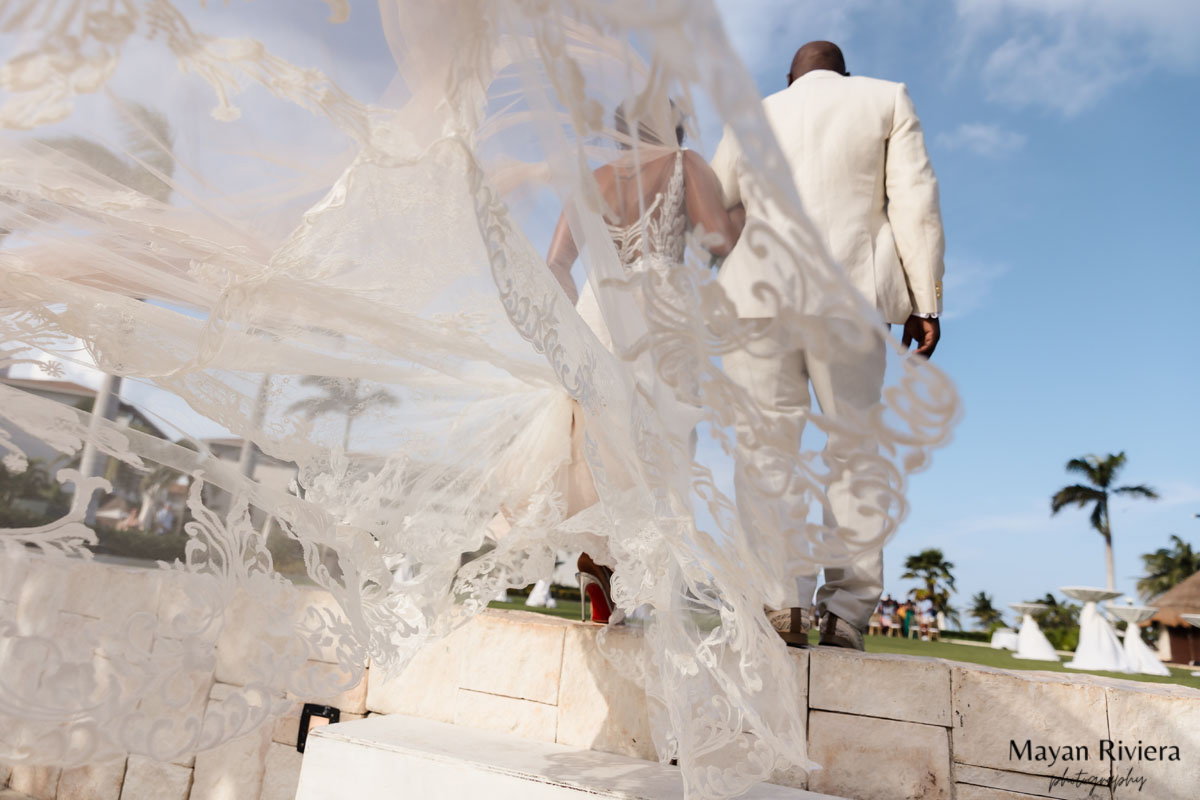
(858, 159)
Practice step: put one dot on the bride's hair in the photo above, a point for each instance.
(646, 133)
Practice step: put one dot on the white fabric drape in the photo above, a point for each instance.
(324, 230)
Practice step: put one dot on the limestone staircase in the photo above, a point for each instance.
(399, 757)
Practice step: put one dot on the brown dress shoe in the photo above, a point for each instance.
(836, 632)
(792, 624)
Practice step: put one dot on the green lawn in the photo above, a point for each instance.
(986, 656)
(970, 654)
(568, 609)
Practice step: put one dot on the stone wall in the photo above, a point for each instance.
(882, 727)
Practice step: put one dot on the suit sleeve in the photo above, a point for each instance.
(725, 165)
(913, 208)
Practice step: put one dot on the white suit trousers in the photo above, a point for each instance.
(779, 381)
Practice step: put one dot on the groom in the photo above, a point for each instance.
(858, 160)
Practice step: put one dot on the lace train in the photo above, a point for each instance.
(323, 238)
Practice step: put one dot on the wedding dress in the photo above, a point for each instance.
(324, 236)
(651, 248)
(653, 241)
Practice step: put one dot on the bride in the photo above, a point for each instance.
(653, 198)
(323, 237)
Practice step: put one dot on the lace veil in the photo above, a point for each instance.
(323, 230)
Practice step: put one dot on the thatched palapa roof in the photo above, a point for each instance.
(1182, 598)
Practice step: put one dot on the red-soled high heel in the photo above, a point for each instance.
(593, 594)
(594, 590)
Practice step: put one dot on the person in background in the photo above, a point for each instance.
(164, 520)
(887, 613)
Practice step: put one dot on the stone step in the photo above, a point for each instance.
(397, 757)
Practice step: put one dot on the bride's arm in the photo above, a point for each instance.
(562, 255)
(706, 203)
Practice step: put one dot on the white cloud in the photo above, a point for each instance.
(990, 141)
(1066, 55)
(1062, 55)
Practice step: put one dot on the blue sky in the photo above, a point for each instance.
(1064, 138)
(1063, 133)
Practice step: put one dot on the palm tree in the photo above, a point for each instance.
(1101, 473)
(931, 568)
(342, 396)
(1166, 568)
(984, 612)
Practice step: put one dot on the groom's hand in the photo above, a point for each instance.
(925, 332)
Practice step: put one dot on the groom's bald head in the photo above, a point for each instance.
(817, 55)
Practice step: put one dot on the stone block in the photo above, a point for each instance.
(878, 759)
(515, 654)
(598, 707)
(93, 782)
(1019, 784)
(154, 780)
(287, 728)
(80, 635)
(428, 686)
(386, 756)
(802, 661)
(904, 688)
(526, 719)
(42, 595)
(13, 571)
(796, 776)
(185, 698)
(314, 600)
(255, 636)
(321, 674)
(996, 712)
(5, 774)
(112, 593)
(222, 691)
(233, 770)
(242, 645)
(180, 607)
(40, 783)
(281, 776)
(966, 791)
(1154, 716)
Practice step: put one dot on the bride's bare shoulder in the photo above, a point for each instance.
(694, 163)
(604, 173)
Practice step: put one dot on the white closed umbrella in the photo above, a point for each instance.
(1032, 644)
(1141, 658)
